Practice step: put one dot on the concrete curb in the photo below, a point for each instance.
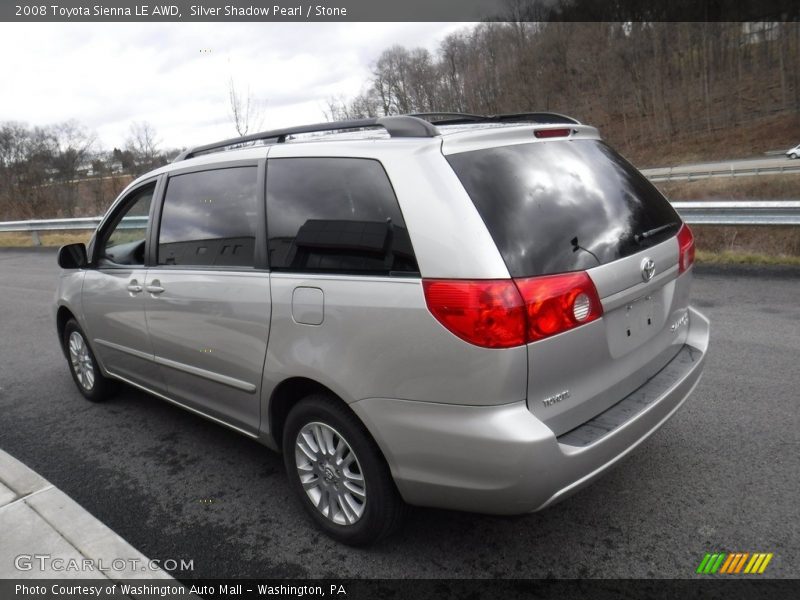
(37, 518)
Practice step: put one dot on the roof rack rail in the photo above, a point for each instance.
(455, 118)
(449, 117)
(396, 126)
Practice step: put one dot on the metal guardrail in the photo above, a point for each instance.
(50, 224)
(694, 212)
(36, 226)
(738, 171)
(755, 212)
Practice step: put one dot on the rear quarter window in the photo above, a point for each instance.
(335, 215)
(559, 206)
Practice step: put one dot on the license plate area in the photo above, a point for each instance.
(635, 322)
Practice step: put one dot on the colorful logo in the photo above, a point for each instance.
(734, 563)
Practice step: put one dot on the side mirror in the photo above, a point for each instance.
(72, 256)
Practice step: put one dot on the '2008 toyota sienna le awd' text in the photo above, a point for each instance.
(474, 313)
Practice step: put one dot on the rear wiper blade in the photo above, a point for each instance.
(640, 237)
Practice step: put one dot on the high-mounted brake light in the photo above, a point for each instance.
(551, 133)
(685, 248)
(511, 312)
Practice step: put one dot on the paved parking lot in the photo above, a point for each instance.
(724, 474)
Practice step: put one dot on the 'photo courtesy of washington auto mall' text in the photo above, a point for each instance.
(412, 300)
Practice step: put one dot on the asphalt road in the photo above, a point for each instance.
(723, 474)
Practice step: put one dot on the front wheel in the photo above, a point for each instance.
(793, 155)
(338, 472)
(83, 365)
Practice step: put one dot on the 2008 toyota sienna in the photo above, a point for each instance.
(474, 313)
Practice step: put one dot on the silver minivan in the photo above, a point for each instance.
(474, 313)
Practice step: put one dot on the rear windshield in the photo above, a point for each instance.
(560, 206)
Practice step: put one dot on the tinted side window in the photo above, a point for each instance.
(335, 215)
(209, 219)
(123, 243)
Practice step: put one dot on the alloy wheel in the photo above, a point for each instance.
(81, 361)
(330, 473)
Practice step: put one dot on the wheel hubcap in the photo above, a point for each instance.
(330, 473)
(81, 360)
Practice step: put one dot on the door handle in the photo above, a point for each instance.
(134, 287)
(154, 287)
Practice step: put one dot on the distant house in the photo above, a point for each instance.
(85, 169)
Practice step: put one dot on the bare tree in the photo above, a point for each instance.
(365, 105)
(143, 143)
(72, 150)
(335, 108)
(26, 169)
(247, 113)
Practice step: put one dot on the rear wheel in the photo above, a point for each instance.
(83, 365)
(338, 472)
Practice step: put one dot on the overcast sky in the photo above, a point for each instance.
(175, 75)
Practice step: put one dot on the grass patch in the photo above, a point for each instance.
(757, 187)
(704, 257)
(20, 239)
(753, 240)
(754, 137)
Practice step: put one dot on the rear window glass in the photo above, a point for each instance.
(560, 206)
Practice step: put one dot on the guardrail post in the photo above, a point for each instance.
(37, 241)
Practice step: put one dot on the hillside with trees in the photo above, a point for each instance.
(61, 171)
(658, 91)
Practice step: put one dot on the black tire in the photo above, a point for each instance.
(383, 508)
(101, 388)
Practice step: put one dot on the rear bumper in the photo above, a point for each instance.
(502, 459)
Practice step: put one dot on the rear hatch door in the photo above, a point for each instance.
(565, 204)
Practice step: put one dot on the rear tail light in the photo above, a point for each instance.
(507, 313)
(557, 303)
(486, 313)
(685, 248)
(551, 133)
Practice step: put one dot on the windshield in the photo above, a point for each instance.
(561, 206)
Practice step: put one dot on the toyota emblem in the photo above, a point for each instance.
(648, 269)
